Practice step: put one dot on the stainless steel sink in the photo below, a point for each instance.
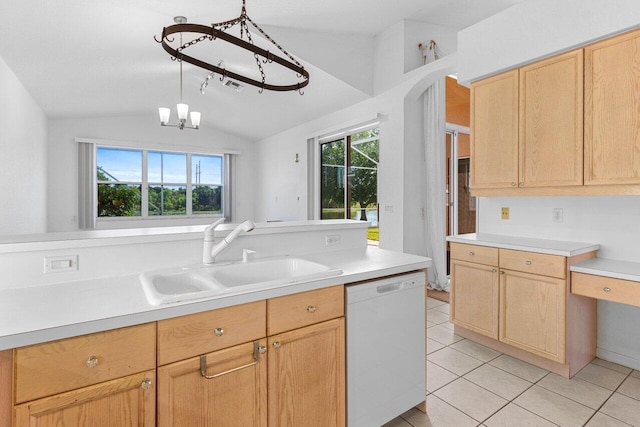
(204, 281)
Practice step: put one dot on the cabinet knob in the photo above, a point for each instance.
(528, 262)
(606, 289)
(146, 384)
(521, 184)
(92, 362)
(471, 253)
(276, 344)
(493, 270)
(311, 308)
(501, 272)
(218, 332)
(513, 184)
(262, 349)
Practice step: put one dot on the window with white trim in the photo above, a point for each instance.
(152, 183)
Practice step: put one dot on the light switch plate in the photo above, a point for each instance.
(59, 264)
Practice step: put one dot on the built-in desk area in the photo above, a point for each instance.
(606, 279)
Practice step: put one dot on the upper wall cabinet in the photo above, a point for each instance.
(551, 99)
(527, 126)
(494, 136)
(612, 111)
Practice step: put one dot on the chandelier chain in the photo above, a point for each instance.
(274, 42)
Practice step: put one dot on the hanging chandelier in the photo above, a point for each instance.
(182, 108)
(218, 32)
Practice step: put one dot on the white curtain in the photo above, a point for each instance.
(435, 156)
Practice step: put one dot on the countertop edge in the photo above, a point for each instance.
(156, 313)
(624, 270)
(479, 241)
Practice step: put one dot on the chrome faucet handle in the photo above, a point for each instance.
(246, 253)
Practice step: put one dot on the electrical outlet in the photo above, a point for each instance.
(558, 215)
(504, 214)
(59, 264)
(332, 240)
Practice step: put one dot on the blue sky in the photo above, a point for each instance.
(126, 165)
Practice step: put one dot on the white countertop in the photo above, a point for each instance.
(625, 270)
(37, 314)
(544, 246)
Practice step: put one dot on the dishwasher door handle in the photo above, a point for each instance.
(383, 289)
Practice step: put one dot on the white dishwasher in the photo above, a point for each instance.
(385, 349)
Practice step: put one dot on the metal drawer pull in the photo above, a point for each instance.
(92, 362)
(276, 344)
(528, 262)
(493, 270)
(311, 309)
(218, 332)
(471, 253)
(606, 289)
(513, 184)
(146, 384)
(257, 351)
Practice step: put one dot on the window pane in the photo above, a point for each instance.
(167, 200)
(206, 169)
(118, 200)
(363, 176)
(333, 180)
(114, 164)
(167, 167)
(206, 199)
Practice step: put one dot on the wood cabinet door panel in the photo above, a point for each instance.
(239, 398)
(188, 336)
(58, 366)
(532, 313)
(475, 297)
(612, 131)
(123, 402)
(551, 121)
(494, 136)
(307, 376)
(305, 308)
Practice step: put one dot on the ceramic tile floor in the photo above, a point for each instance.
(472, 385)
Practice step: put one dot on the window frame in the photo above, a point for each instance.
(88, 194)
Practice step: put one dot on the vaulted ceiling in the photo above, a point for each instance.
(93, 58)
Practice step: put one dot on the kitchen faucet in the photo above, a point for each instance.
(209, 250)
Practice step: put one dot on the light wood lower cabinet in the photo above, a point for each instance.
(128, 401)
(234, 394)
(476, 290)
(532, 313)
(307, 376)
(520, 304)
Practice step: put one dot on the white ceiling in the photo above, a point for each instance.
(89, 58)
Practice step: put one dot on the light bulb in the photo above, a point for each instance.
(195, 119)
(183, 111)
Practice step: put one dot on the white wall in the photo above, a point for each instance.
(611, 221)
(280, 180)
(23, 151)
(535, 29)
(522, 34)
(62, 174)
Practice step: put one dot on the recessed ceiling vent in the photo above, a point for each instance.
(233, 85)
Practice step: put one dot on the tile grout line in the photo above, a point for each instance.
(608, 398)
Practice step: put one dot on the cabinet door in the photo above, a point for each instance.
(475, 297)
(494, 134)
(128, 401)
(307, 376)
(532, 313)
(551, 105)
(236, 396)
(612, 131)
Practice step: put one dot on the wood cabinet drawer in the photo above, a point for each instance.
(606, 288)
(196, 334)
(535, 263)
(59, 366)
(474, 253)
(306, 308)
